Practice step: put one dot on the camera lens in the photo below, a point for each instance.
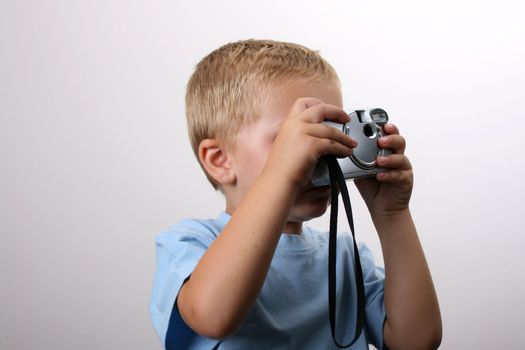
(369, 131)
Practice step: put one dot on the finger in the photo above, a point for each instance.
(391, 129)
(394, 161)
(327, 132)
(398, 177)
(303, 103)
(332, 147)
(394, 142)
(322, 112)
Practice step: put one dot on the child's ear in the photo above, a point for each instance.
(216, 162)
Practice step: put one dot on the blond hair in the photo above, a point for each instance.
(229, 85)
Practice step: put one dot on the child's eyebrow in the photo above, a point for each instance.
(276, 124)
(274, 128)
(270, 131)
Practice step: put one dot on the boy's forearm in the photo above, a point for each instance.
(413, 316)
(230, 275)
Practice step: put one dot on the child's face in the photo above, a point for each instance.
(255, 142)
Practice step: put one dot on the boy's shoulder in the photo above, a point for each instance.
(204, 230)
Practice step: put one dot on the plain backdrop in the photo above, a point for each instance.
(95, 159)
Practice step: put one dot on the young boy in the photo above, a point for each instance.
(254, 277)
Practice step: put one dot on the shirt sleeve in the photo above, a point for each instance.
(374, 280)
(177, 253)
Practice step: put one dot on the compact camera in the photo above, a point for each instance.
(365, 126)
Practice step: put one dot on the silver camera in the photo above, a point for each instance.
(365, 126)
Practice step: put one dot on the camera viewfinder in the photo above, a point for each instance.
(379, 116)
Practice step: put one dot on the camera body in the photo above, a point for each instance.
(366, 126)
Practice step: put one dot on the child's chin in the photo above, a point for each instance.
(311, 209)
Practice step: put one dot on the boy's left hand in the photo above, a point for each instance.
(389, 192)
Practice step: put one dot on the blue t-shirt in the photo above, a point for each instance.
(291, 311)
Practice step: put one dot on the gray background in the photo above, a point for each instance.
(95, 160)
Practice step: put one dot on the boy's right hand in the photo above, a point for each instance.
(302, 139)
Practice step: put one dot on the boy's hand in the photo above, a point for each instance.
(409, 295)
(389, 192)
(302, 139)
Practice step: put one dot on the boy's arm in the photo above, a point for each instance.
(413, 317)
(223, 287)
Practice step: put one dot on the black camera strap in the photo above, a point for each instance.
(337, 181)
